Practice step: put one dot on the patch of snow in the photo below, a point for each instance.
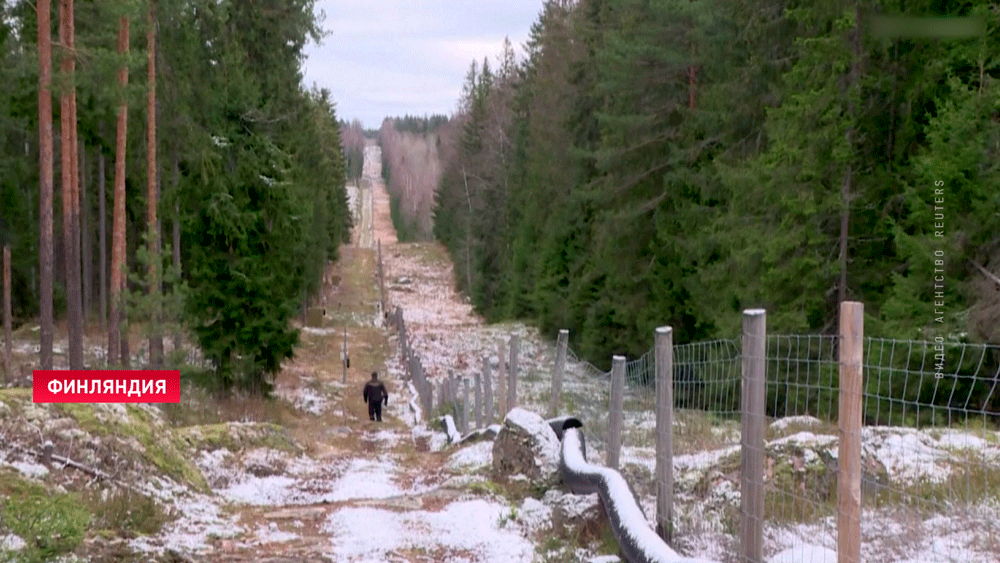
(200, 521)
(29, 469)
(805, 554)
(316, 483)
(802, 420)
(467, 532)
(806, 439)
(908, 454)
(10, 542)
(261, 491)
(320, 331)
(963, 441)
(271, 534)
(533, 514)
(702, 460)
(479, 454)
(306, 399)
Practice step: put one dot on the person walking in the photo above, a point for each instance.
(375, 395)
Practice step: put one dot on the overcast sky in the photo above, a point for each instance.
(395, 57)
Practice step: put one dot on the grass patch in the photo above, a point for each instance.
(51, 524)
(125, 513)
(696, 431)
(971, 482)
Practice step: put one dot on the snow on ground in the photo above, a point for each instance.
(199, 520)
(783, 423)
(479, 454)
(463, 531)
(314, 483)
(11, 542)
(271, 534)
(805, 553)
(305, 399)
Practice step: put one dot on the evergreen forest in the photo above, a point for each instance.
(184, 174)
(654, 162)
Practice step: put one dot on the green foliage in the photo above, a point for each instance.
(126, 513)
(660, 163)
(50, 524)
(245, 267)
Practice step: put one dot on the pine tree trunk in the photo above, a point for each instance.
(177, 235)
(87, 239)
(74, 302)
(45, 238)
(115, 335)
(102, 236)
(152, 199)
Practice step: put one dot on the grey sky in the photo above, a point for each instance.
(396, 57)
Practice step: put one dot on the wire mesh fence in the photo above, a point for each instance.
(929, 457)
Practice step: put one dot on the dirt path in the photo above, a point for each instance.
(364, 491)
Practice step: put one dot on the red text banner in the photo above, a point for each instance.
(107, 386)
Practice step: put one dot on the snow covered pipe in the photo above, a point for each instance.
(636, 538)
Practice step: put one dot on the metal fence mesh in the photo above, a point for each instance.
(930, 448)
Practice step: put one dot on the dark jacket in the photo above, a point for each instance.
(375, 392)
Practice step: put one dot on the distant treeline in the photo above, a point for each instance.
(411, 167)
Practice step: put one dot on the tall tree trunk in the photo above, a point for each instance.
(177, 235)
(115, 334)
(45, 182)
(70, 177)
(102, 236)
(87, 239)
(152, 198)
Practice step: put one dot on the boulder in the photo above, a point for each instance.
(526, 445)
(575, 515)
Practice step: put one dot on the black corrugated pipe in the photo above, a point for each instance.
(636, 538)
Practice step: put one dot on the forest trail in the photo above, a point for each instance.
(366, 491)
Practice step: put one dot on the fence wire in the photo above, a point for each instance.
(930, 445)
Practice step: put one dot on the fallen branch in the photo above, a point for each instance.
(986, 272)
(92, 471)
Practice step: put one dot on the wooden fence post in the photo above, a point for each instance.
(442, 400)
(344, 358)
(852, 332)
(8, 358)
(465, 405)
(615, 410)
(488, 390)
(557, 373)
(752, 435)
(512, 385)
(502, 382)
(381, 280)
(451, 391)
(428, 398)
(479, 400)
(665, 432)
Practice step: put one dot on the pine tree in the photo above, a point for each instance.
(45, 181)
